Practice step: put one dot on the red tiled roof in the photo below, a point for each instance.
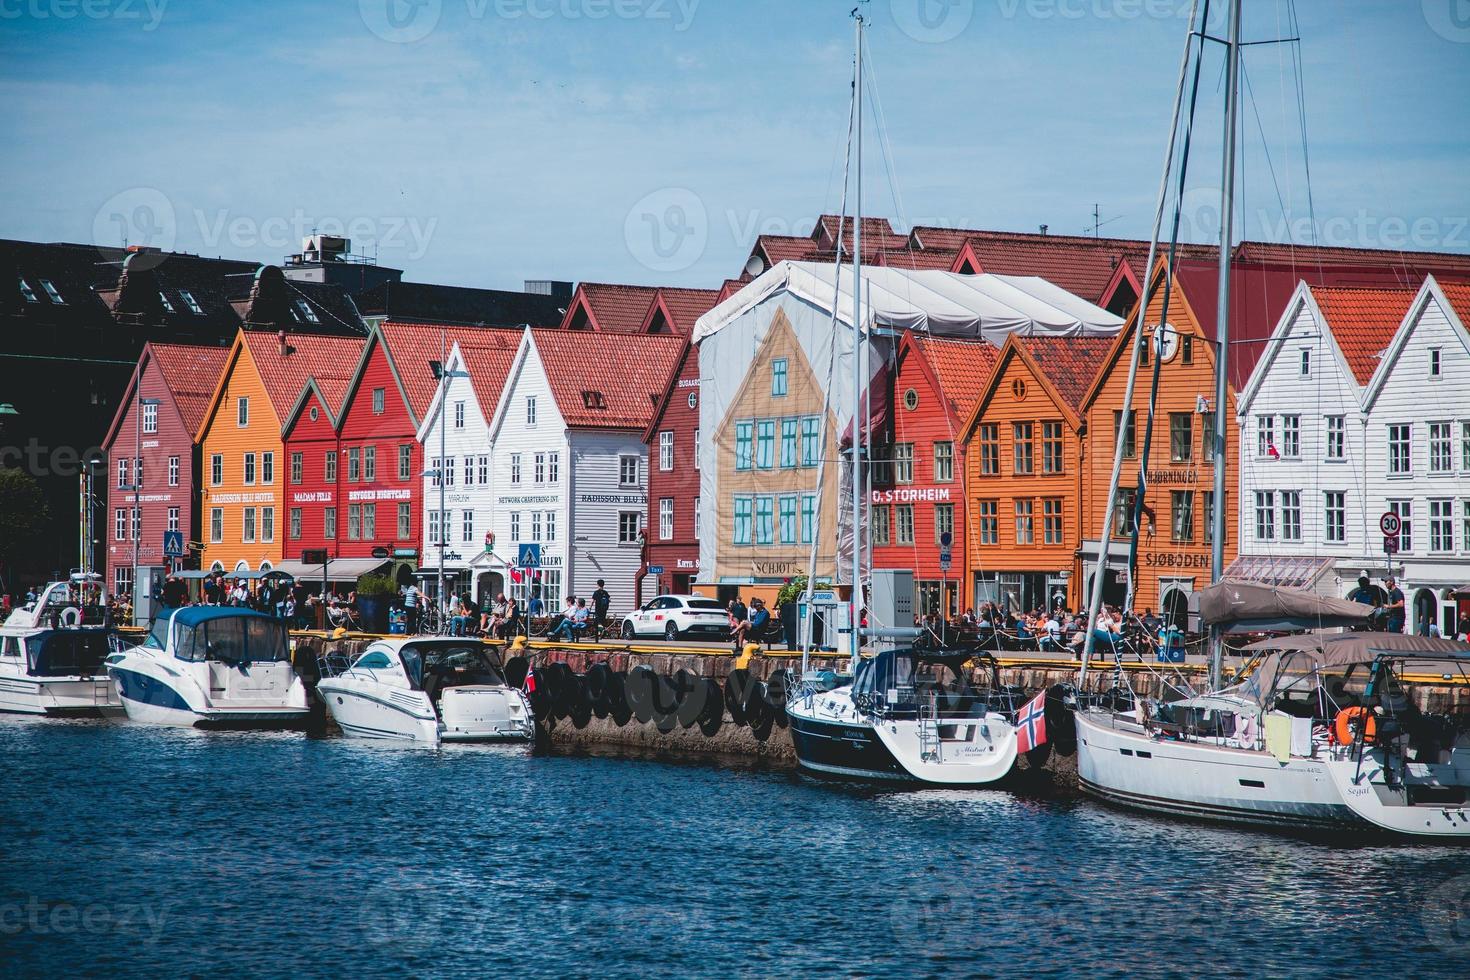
(1363, 322)
(731, 287)
(612, 307)
(683, 306)
(1413, 265)
(317, 356)
(413, 345)
(191, 374)
(942, 259)
(628, 371)
(488, 368)
(1070, 364)
(1458, 293)
(963, 368)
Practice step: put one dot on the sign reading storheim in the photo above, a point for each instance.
(907, 495)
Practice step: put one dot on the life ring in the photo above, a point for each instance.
(71, 616)
(1342, 725)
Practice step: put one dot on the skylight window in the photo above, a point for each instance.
(163, 298)
(28, 292)
(51, 291)
(191, 302)
(593, 399)
(307, 311)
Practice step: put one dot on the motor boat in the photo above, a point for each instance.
(426, 691)
(211, 666)
(52, 652)
(908, 715)
(1324, 734)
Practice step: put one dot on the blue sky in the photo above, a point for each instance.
(483, 142)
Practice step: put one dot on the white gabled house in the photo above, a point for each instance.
(569, 464)
(476, 368)
(1360, 406)
(1304, 515)
(1418, 454)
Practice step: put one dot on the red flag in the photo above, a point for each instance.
(1031, 723)
(1271, 450)
(530, 686)
(515, 575)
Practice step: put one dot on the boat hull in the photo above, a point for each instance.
(57, 696)
(152, 699)
(471, 714)
(1206, 782)
(843, 749)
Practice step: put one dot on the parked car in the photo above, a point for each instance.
(673, 616)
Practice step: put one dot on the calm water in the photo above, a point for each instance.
(137, 851)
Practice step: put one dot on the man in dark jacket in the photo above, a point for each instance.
(600, 603)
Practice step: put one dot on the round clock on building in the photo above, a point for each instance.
(1166, 342)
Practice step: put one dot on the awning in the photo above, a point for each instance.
(338, 569)
(1291, 572)
(1250, 607)
(942, 303)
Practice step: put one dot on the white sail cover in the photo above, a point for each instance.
(941, 303)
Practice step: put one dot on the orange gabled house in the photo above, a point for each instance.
(242, 457)
(1024, 459)
(1174, 540)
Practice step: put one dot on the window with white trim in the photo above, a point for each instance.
(530, 409)
(878, 518)
(405, 522)
(247, 526)
(267, 524)
(1336, 437)
(988, 521)
(666, 450)
(1291, 515)
(1400, 442)
(666, 518)
(293, 528)
(515, 469)
(630, 522)
(944, 523)
(242, 412)
(627, 470)
(120, 525)
(459, 415)
(1405, 511)
(150, 417)
(173, 471)
(1334, 516)
(173, 518)
(467, 526)
(329, 523)
(903, 516)
(1291, 436)
(1265, 515)
(216, 525)
(1441, 525)
(1265, 435)
(1441, 447)
(1025, 521)
(249, 469)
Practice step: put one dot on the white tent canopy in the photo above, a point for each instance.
(941, 303)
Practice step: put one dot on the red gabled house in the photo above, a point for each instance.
(180, 378)
(918, 494)
(671, 544)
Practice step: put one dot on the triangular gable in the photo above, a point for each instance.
(579, 315)
(454, 362)
(1011, 350)
(1430, 291)
(126, 402)
(667, 394)
(376, 337)
(1122, 275)
(1302, 298)
(512, 376)
(908, 348)
(967, 262)
(308, 390)
(658, 319)
(799, 371)
(232, 361)
(1121, 342)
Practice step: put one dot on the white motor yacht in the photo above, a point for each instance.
(1323, 735)
(907, 716)
(52, 651)
(211, 666)
(426, 691)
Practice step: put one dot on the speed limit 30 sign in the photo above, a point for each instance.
(1388, 523)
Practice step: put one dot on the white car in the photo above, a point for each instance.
(673, 616)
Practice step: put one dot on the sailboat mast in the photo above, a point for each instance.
(1222, 318)
(857, 361)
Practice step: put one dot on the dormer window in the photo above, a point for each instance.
(28, 292)
(191, 302)
(307, 311)
(51, 291)
(593, 399)
(163, 298)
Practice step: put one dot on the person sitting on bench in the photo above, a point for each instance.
(572, 625)
(759, 620)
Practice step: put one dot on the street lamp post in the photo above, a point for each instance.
(440, 370)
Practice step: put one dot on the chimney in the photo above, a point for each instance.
(1043, 229)
(285, 347)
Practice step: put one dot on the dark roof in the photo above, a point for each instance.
(428, 303)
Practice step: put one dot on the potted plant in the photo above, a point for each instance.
(375, 595)
(787, 603)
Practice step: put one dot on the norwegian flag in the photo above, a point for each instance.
(1031, 723)
(530, 685)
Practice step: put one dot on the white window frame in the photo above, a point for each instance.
(666, 518)
(666, 450)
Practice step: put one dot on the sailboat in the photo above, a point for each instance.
(905, 715)
(1322, 732)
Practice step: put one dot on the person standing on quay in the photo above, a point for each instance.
(600, 603)
(1394, 606)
